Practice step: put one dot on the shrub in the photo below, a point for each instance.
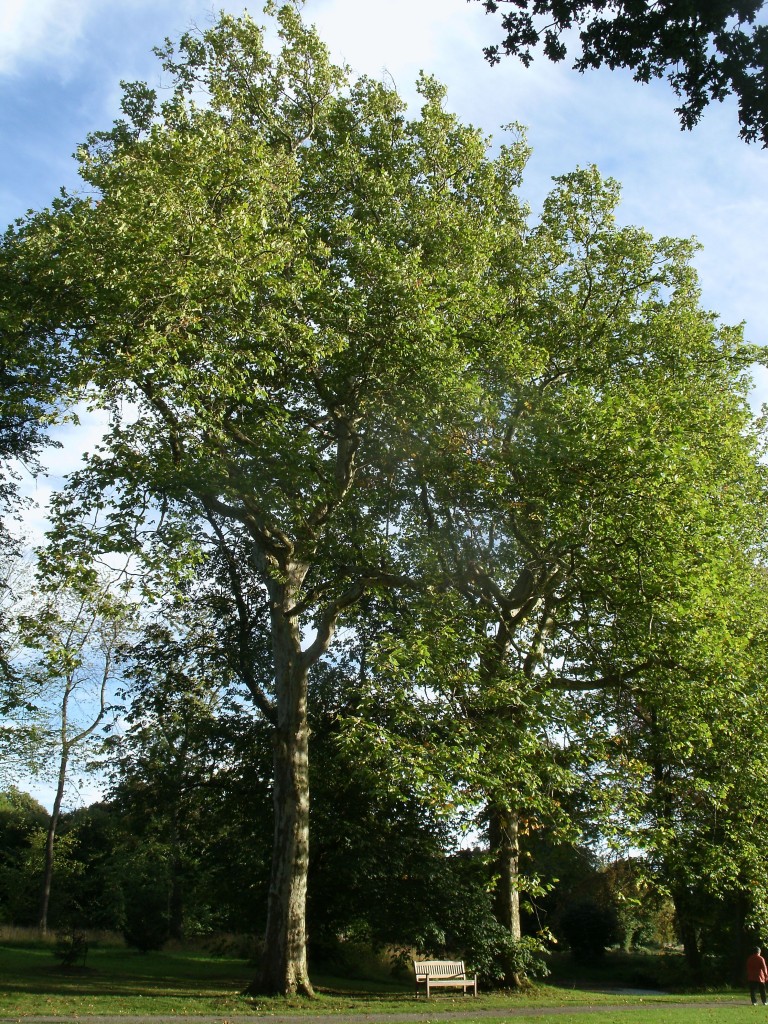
(70, 947)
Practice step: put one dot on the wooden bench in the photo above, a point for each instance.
(442, 974)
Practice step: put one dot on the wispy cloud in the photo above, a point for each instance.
(66, 34)
(399, 37)
(39, 30)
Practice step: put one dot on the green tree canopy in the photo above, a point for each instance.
(598, 524)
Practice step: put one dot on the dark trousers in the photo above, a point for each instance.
(754, 988)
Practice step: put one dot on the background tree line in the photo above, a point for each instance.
(179, 849)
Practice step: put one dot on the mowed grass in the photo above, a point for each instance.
(117, 981)
(727, 1014)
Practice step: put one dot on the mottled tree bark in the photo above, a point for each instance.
(284, 967)
(503, 835)
(284, 964)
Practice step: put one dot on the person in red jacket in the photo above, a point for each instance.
(757, 975)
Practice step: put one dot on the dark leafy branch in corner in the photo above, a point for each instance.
(706, 50)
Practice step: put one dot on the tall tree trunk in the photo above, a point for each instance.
(284, 965)
(50, 841)
(688, 932)
(744, 941)
(176, 894)
(503, 836)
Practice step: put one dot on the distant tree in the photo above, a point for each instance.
(685, 767)
(383, 852)
(707, 50)
(190, 773)
(588, 927)
(22, 818)
(91, 895)
(69, 646)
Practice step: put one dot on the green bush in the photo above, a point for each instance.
(70, 948)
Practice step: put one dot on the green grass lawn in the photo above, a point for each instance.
(655, 1015)
(122, 982)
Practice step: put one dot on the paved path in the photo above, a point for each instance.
(367, 1018)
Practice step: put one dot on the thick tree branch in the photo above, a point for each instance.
(325, 624)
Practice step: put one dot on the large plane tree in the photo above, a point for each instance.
(280, 285)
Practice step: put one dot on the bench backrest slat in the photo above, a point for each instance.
(438, 968)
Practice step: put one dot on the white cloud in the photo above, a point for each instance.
(54, 32)
(39, 30)
(400, 37)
